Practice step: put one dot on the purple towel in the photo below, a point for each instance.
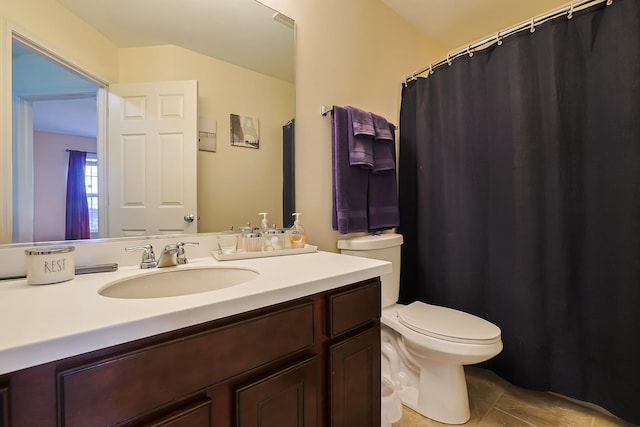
(361, 142)
(384, 153)
(362, 121)
(349, 183)
(383, 211)
(381, 127)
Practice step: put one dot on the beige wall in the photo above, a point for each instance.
(354, 52)
(234, 183)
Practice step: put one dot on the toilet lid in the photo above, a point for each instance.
(448, 324)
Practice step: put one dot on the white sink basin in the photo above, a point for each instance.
(175, 282)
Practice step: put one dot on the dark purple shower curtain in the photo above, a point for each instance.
(77, 214)
(520, 201)
(288, 173)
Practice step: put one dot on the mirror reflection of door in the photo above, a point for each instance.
(55, 112)
(151, 152)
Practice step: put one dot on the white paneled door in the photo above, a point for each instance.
(151, 158)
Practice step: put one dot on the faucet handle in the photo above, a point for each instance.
(181, 255)
(148, 256)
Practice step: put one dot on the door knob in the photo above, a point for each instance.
(189, 217)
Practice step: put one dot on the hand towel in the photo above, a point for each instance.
(384, 153)
(349, 183)
(361, 140)
(383, 211)
(381, 128)
(361, 120)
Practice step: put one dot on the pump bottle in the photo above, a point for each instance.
(297, 235)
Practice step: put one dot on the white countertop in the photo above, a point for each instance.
(43, 323)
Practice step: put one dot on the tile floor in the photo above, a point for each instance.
(495, 402)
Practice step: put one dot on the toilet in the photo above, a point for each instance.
(424, 347)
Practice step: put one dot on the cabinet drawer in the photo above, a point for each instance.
(124, 386)
(353, 307)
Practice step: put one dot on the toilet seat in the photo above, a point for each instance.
(448, 324)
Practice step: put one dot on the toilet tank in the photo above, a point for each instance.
(384, 247)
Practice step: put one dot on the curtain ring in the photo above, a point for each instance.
(609, 2)
(469, 51)
(570, 14)
(430, 68)
(448, 60)
(499, 38)
(532, 28)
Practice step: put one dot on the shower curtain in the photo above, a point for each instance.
(288, 174)
(519, 191)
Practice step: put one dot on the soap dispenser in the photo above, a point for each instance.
(264, 224)
(297, 235)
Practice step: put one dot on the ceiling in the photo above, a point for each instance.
(77, 116)
(455, 23)
(242, 32)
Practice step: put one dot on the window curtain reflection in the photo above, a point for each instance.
(77, 216)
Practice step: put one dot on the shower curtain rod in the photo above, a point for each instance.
(568, 9)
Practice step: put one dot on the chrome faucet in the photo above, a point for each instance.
(181, 256)
(148, 256)
(172, 255)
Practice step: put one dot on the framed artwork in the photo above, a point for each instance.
(245, 131)
(207, 134)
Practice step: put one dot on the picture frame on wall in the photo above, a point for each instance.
(245, 131)
(207, 134)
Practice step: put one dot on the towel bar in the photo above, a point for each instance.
(324, 110)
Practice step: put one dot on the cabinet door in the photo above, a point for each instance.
(288, 398)
(196, 415)
(354, 383)
(4, 407)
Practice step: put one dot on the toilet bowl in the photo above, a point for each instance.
(424, 347)
(432, 381)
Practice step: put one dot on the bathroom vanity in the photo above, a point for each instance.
(298, 345)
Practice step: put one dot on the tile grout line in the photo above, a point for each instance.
(491, 407)
(516, 417)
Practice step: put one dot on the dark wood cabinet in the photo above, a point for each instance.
(288, 398)
(310, 362)
(194, 415)
(4, 407)
(354, 385)
(354, 358)
(150, 376)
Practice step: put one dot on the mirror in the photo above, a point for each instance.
(241, 54)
